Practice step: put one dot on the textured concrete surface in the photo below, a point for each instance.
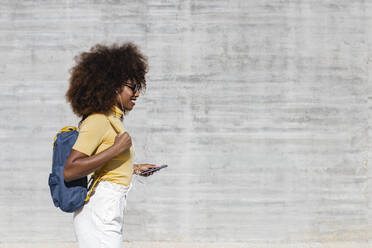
(194, 245)
(260, 108)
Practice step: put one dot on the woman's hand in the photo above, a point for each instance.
(138, 168)
(122, 142)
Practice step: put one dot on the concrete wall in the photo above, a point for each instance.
(260, 108)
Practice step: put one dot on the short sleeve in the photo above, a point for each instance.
(91, 133)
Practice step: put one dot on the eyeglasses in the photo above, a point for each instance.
(134, 88)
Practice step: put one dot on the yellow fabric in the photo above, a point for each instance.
(96, 134)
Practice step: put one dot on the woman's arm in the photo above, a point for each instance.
(79, 165)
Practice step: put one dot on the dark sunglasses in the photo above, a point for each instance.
(134, 88)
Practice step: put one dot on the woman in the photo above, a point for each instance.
(104, 84)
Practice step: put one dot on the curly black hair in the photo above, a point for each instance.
(101, 71)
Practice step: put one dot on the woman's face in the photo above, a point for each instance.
(127, 96)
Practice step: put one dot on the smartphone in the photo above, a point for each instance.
(153, 170)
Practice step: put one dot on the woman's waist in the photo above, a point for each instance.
(116, 167)
(120, 175)
(114, 187)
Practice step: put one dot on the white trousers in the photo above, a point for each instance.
(99, 223)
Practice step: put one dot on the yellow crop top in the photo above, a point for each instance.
(96, 134)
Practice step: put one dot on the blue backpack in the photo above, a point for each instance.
(69, 196)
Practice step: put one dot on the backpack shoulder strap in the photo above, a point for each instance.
(64, 129)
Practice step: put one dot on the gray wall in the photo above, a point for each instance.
(260, 109)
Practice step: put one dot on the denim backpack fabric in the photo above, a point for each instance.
(70, 196)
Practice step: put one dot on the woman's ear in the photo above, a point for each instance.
(119, 90)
